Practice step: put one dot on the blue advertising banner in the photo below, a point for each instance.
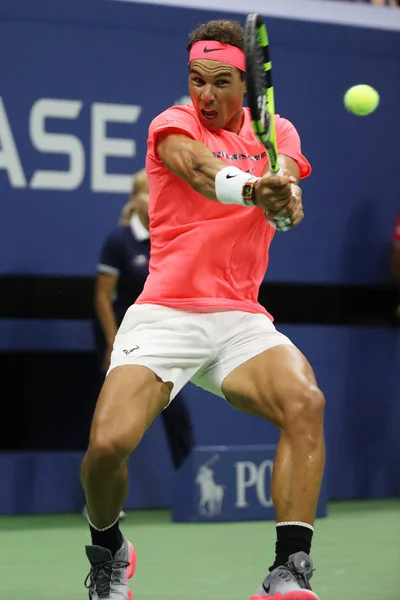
(227, 483)
(81, 82)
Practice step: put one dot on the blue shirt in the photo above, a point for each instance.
(125, 254)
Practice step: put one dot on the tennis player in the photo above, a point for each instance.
(198, 318)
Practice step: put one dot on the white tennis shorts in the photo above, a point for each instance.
(181, 346)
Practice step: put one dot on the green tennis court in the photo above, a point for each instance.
(356, 551)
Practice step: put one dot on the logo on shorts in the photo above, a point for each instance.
(130, 350)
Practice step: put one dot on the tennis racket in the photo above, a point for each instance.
(260, 91)
(260, 95)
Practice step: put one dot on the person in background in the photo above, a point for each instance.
(121, 273)
(395, 266)
(122, 268)
(380, 2)
(385, 2)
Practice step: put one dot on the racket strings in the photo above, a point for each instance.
(260, 86)
(258, 76)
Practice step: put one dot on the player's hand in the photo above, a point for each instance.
(274, 192)
(292, 213)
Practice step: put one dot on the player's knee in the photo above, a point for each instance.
(304, 408)
(107, 453)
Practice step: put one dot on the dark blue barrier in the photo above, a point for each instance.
(357, 368)
(40, 334)
(49, 482)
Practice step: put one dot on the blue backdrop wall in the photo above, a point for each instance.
(84, 57)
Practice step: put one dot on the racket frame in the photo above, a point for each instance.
(262, 106)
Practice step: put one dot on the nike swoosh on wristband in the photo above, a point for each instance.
(230, 176)
(210, 49)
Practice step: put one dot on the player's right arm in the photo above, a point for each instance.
(195, 163)
(192, 161)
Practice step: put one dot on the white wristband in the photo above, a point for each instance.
(229, 184)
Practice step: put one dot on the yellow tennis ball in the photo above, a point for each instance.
(361, 99)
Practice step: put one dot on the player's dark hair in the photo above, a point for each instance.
(224, 31)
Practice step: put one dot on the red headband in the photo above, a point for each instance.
(225, 53)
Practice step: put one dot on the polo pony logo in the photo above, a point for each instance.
(211, 494)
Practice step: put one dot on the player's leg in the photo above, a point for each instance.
(100, 350)
(131, 397)
(279, 385)
(260, 372)
(178, 429)
(156, 351)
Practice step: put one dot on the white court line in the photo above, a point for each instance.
(337, 12)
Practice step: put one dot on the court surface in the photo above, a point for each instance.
(356, 554)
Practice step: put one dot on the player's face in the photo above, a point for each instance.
(217, 93)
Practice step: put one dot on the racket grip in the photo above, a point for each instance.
(281, 224)
(278, 170)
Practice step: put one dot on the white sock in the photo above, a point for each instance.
(299, 523)
(103, 528)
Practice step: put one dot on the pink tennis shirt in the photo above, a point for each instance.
(207, 256)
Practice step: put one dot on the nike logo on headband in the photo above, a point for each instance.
(210, 49)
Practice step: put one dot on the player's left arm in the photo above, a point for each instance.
(294, 209)
(289, 164)
(292, 162)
